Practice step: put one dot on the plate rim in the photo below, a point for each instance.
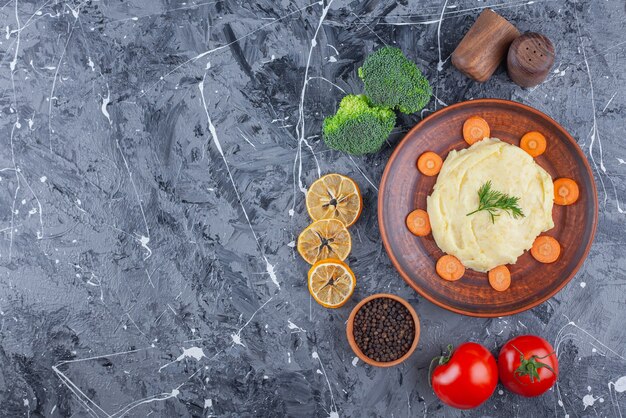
(383, 232)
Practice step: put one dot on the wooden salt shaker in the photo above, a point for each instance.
(530, 58)
(484, 46)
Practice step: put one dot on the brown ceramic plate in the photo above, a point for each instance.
(404, 189)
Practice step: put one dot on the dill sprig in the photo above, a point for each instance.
(494, 201)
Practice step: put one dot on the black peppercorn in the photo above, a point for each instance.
(384, 329)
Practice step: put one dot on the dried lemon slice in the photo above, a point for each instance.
(334, 196)
(331, 283)
(326, 238)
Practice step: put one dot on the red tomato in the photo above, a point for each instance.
(528, 365)
(466, 377)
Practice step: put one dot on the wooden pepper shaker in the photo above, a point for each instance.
(530, 58)
(484, 46)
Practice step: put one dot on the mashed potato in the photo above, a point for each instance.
(477, 242)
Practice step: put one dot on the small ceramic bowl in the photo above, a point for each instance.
(355, 347)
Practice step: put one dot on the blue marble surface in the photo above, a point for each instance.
(153, 162)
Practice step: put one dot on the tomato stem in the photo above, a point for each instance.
(440, 360)
(529, 367)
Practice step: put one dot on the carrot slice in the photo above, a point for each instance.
(545, 249)
(565, 191)
(418, 223)
(475, 129)
(533, 143)
(429, 163)
(500, 278)
(450, 268)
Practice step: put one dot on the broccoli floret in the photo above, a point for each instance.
(391, 80)
(358, 127)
